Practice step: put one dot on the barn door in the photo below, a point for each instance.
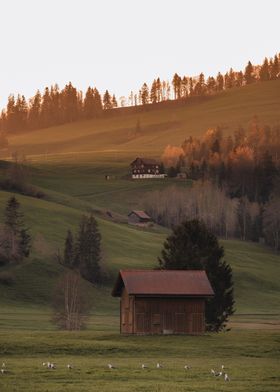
(197, 323)
(168, 324)
(140, 322)
(180, 322)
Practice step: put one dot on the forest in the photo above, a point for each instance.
(55, 106)
(236, 189)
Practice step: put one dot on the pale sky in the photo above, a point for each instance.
(119, 44)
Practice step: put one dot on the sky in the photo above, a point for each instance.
(119, 44)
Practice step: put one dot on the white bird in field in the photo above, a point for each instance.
(219, 374)
(187, 367)
(110, 366)
(159, 366)
(213, 372)
(143, 366)
(222, 367)
(3, 365)
(69, 366)
(226, 377)
(51, 365)
(3, 371)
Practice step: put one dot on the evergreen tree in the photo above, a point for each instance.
(248, 74)
(264, 71)
(185, 85)
(11, 114)
(220, 82)
(107, 101)
(144, 94)
(69, 103)
(88, 252)
(34, 111)
(89, 103)
(192, 247)
(46, 108)
(159, 90)
(114, 101)
(69, 250)
(97, 103)
(176, 81)
(153, 92)
(18, 241)
(274, 68)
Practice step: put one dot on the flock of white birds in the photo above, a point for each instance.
(52, 365)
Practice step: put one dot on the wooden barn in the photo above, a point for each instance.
(139, 218)
(162, 301)
(145, 168)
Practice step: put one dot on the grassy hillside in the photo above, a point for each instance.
(69, 164)
(256, 269)
(115, 136)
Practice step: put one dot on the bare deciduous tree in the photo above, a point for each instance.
(71, 305)
(271, 222)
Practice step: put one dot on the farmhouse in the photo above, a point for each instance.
(139, 218)
(145, 168)
(162, 302)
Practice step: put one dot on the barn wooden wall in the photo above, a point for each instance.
(162, 315)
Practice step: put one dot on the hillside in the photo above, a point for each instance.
(115, 136)
(256, 269)
(69, 164)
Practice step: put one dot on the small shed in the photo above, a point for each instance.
(162, 301)
(138, 217)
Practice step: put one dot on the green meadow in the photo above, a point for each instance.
(69, 164)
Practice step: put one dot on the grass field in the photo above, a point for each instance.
(69, 164)
(250, 366)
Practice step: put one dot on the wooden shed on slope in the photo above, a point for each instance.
(162, 301)
(139, 217)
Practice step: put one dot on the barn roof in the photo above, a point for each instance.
(140, 214)
(163, 282)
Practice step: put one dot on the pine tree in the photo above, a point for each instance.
(88, 252)
(46, 108)
(220, 82)
(153, 92)
(144, 94)
(98, 108)
(192, 247)
(18, 241)
(274, 68)
(89, 104)
(69, 250)
(107, 101)
(114, 101)
(176, 81)
(264, 71)
(248, 74)
(34, 111)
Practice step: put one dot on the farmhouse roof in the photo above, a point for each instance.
(163, 283)
(140, 214)
(147, 161)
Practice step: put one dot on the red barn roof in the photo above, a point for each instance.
(140, 214)
(163, 282)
